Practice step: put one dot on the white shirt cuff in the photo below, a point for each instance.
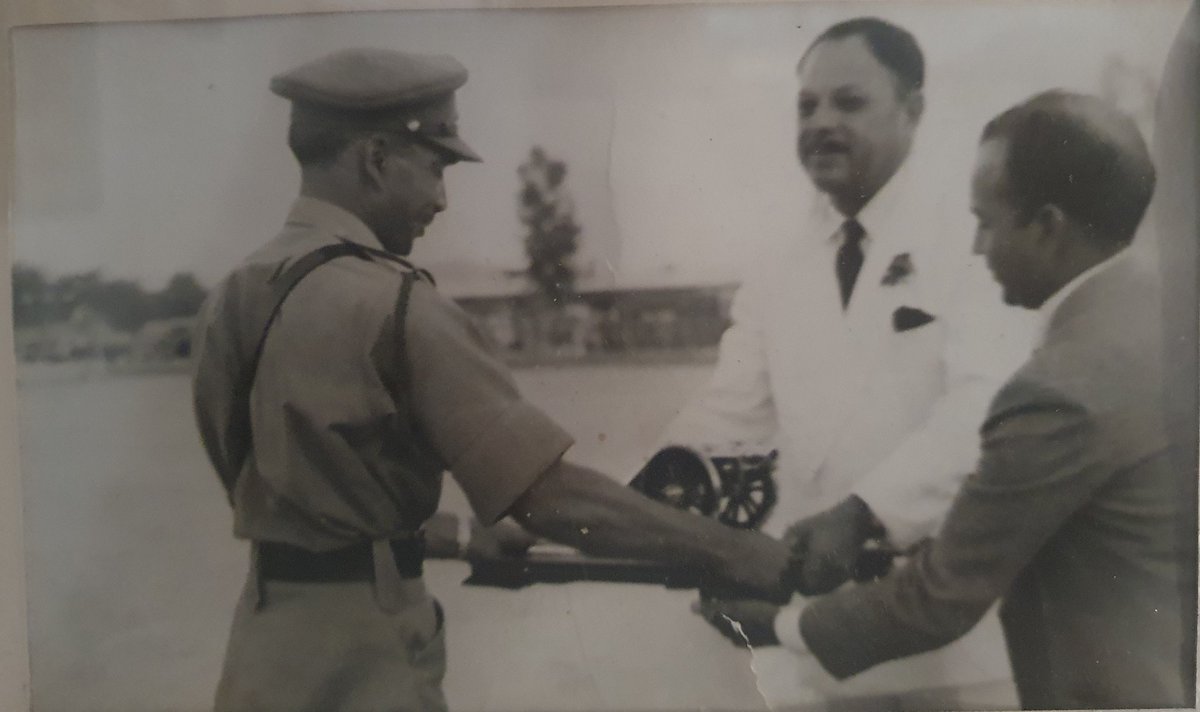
(787, 628)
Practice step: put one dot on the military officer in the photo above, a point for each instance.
(334, 385)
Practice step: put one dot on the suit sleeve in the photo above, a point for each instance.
(1041, 462)
(736, 404)
(911, 489)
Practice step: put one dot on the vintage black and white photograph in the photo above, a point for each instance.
(787, 356)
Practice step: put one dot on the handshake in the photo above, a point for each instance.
(815, 556)
(742, 577)
(737, 488)
(825, 551)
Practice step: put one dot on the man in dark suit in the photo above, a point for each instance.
(1072, 517)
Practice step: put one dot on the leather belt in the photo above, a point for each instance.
(284, 562)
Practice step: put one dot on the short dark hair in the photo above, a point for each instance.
(315, 146)
(318, 135)
(1079, 153)
(893, 46)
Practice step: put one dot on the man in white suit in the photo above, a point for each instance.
(868, 351)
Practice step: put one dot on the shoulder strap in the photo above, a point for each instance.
(424, 273)
(238, 435)
(402, 323)
(283, 285)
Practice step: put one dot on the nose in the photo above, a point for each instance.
(820, 117)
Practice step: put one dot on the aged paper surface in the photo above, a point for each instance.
(14, 661)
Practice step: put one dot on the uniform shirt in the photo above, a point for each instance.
(360, 402)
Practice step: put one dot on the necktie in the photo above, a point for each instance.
(849, 258)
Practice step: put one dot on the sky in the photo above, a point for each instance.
(147, 149)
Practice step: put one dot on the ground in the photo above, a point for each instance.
(133, 575)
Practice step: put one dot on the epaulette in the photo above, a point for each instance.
(369, 252)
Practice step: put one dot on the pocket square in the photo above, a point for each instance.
(906, 318)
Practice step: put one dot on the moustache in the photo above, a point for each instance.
(822, 145)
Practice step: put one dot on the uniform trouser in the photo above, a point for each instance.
(333, 647)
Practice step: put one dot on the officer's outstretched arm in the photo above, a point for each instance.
(583, 508)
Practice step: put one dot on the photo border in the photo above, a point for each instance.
(14, 650)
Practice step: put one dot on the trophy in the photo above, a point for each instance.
(737, 488)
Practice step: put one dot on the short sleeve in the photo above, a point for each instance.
(466, 403)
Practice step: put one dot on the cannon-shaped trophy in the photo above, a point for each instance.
(737, 487)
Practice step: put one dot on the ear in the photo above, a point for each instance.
(914, 105)
(371, 154)
(1051, 224)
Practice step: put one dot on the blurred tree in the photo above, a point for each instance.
(182, 296)
(121, 303)
(124, 304)
(70, 291)
(31, 296)
(551, 234)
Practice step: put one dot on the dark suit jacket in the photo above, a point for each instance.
(1074, 518)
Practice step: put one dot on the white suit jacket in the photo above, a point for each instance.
(852, 404)
(856, 406)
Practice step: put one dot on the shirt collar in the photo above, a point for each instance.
(333, 220)
(883, 207)
(1050, 308)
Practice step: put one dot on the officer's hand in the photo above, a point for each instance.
(825, 547)
(758, 568)
(745, 623)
